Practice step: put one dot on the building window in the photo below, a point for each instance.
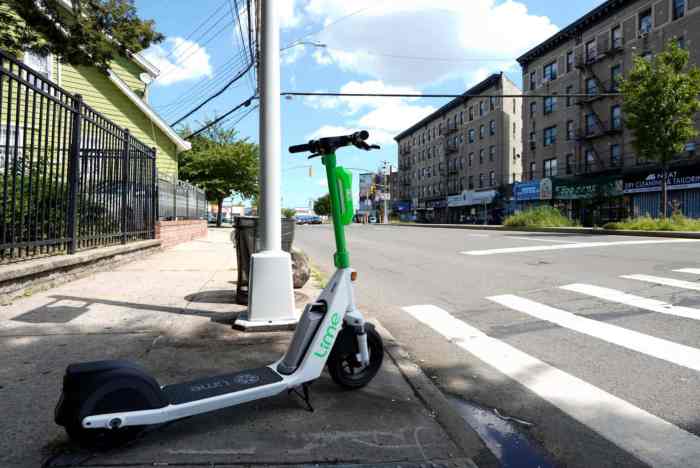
(492, 178)
(680, 40)
(492, 153)
(550, 104)
(481, 180)
(550, 136)
(570, 130)
(471, 159)
(569, 61)
(591, 50)
(616, 37)
(645, 24)
(515, 109)
(569, 163)
(533, 168)
(492, 103)
(515, 129)
(481, 156)
(569, 92)
(550, 72)
(590, 160)
(472, 135)
(550, 168)
(533, 140)
(590, 123)
(678, 8)
(591, 87)
(482, 132)
(615, 76)
(616, 117)
(492, 127)
(482, 108)
(461, 118)
(533, 108)
(471, 113)
(615, 155)
(533, 81)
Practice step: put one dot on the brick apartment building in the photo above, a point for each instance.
(577, 152)
(460, 161)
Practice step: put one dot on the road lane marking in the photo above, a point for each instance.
(578, 245)
(620, 297)
(541, 240)
(653, 440)
(675, 353)
(690, 271)
(665, 281)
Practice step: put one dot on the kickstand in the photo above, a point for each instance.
(304, 395)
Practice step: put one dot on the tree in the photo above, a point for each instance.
(322, 206)
(660, 101)
(288, 212)
(92, 32)
(221, 164)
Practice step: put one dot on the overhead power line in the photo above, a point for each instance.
(429, 96)
(215, 95)
(246, 114)
(245, 103)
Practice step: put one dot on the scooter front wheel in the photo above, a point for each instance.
(343, 364)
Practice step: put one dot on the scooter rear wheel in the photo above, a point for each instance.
(124, 399)
(344, 367)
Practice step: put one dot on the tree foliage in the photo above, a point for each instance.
(92, 32)
(660, 101)
(289, 212)
(221, 164)
(322, 206)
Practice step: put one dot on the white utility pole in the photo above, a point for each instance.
(271, 296)
(385, 191)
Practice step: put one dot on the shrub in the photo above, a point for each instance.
(677, 222)
(541, 216)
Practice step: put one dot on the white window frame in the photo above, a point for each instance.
(27, 60)
(16, 134)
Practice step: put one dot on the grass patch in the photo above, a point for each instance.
(541, 216)
(677, 222)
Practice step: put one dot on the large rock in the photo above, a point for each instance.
(301, 269)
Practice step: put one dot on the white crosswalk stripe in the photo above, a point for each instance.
(638, 302)
(653, 440)
(656, 347)
(665, 281)
(690, 271)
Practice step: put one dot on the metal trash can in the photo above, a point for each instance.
(247, 242)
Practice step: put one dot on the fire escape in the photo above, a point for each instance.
(594, 127)
(450, 173)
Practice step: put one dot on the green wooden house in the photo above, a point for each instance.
(121, 95)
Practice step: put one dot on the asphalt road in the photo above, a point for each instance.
(568, 336)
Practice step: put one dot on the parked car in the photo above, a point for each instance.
(313, 219)
(301, 219)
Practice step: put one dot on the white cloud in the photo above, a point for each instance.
(384, 118)
(179, 60)
(290, 17)
(451, 33)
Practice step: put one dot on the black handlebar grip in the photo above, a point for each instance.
(361, 135)
(299, 148)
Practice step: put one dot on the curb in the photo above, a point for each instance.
(583, 231)
(465, 438)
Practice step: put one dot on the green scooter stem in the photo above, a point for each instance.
(342, 256)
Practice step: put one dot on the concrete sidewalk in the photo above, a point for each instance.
(172, 312)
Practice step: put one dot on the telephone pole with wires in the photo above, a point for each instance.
(271, 296)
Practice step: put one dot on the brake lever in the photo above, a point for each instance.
(371, 147)
(316, 155)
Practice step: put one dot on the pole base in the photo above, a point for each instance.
(270, 295)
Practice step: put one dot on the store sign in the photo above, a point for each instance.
(525, 191)
(565, 189)
(678, 179)
(546, 189)
(436, 204)
(470, 197)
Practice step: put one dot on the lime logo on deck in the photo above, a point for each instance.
(329, 336)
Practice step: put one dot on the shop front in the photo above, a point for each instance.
(592, 201)
(532, 193)
(470, 207)
(643, 190)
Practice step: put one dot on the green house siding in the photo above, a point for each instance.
(129, 73)
(102, 94)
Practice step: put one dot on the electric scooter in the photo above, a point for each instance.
(107, 403)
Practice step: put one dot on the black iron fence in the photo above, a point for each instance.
(178, 199)
(70, 178)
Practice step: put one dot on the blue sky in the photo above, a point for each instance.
(383, 46)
